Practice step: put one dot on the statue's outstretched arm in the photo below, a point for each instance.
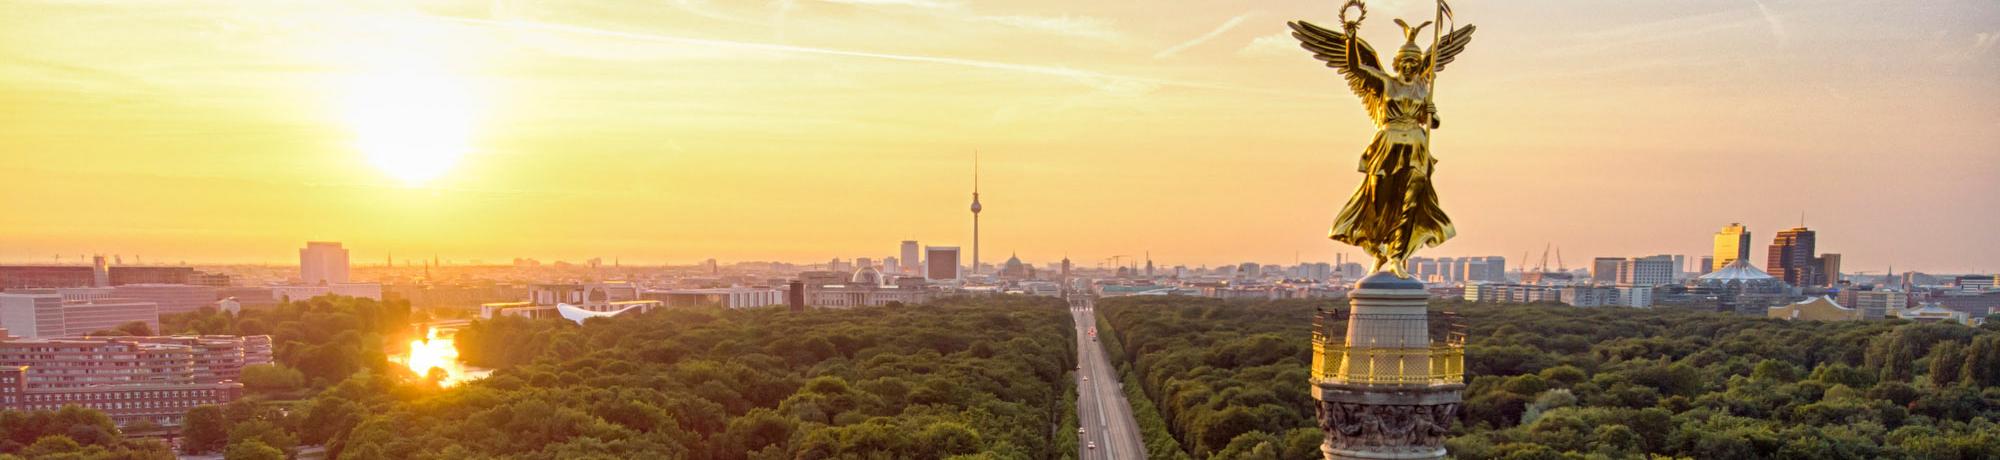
(1347, 53)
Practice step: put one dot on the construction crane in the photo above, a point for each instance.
(1544, 267)
(1117, 261)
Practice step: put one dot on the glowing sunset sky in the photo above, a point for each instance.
(666, 131)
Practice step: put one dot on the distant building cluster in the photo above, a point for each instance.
(1802, 283)
(87, 296)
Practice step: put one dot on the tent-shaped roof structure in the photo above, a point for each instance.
(1737, 271)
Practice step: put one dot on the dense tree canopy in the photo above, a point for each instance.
(325, 339)
(1552, 381)
(984, 377)
(71, 433)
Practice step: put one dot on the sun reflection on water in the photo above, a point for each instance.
(441, 354)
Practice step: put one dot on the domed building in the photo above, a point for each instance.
(1014, 270)
(864, 287)
(867, 275)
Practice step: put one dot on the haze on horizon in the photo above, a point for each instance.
(801, 130)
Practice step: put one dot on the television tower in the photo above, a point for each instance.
(975, 212)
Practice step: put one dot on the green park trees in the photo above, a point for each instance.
(958, 376)
(1556, 381)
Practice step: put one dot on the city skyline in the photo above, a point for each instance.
(1106, 129)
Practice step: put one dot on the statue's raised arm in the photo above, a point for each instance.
(1347, 52)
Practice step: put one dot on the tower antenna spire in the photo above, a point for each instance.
(975, 211)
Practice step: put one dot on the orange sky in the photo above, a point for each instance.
(805, 130)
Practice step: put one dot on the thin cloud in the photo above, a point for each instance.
(1080, 26)
(930, 4)
(1099, 80)
(1204, 38)
(1777, 25)
(1278, 43)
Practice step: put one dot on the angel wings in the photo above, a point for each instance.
(1355, 59)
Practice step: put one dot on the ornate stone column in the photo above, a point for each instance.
(1385, 389)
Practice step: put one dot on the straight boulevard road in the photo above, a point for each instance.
(1109, 431)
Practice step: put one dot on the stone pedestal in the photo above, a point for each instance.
(1394, 393)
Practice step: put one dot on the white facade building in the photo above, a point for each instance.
(42, 316)
(729, 297)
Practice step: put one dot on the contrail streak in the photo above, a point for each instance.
(1204, 38)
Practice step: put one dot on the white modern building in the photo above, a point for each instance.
(41, 316)
(1646, 271)
(729, 297)
(32, 315)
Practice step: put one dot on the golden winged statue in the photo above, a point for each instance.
(1395, 212)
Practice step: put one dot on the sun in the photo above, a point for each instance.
(412, 119)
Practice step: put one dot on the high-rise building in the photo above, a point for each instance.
(1791, 257)
(1731, 244)
(1423, 268)
(1829, 269)
(941, 263)
(912, 262)
(1646, 271)
(1680, 263)
(1496, 269)
(1707, 265)
(1065, 277)
(1604, 270)
(322, 262)
(100, 273)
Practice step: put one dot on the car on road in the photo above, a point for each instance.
(1092, 445)
(1086, 378)
(1079, 430)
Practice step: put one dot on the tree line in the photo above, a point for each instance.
(1551, 381)
(956, 378)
